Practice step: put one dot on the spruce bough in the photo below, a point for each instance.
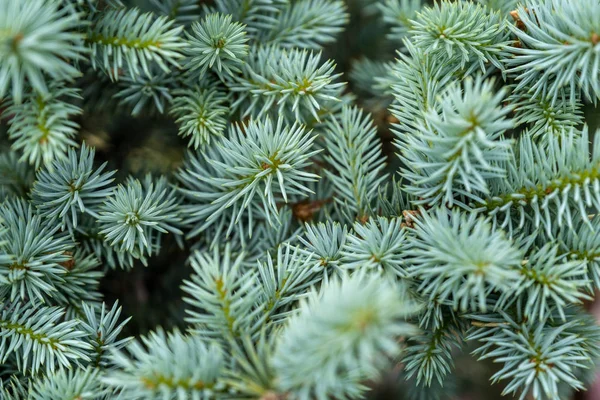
(442, 202)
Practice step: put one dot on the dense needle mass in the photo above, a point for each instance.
(299, 199)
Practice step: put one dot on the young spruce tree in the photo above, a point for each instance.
(443, 202)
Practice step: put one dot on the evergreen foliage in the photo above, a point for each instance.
(216, 43)
(212, 153)
(39, 41)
